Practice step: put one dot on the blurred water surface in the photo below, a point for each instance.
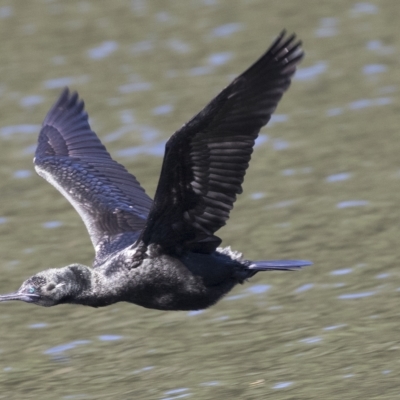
(323, 184)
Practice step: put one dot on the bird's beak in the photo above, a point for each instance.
(28, 298)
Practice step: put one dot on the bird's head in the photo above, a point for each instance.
(47, 288)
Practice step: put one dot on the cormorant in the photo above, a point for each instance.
(160, 254)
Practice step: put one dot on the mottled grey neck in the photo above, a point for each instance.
(87, 286)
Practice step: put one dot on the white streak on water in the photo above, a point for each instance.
(52, 224)
(343, 271)
(364, 103)
(364, 8)
(333, 327)
(135, 87)
(351, 296)
(22, 174)
(258, 289)
(29, 101)
(227, 29)
(64, 347)
(220, 58)
(371, 69)
(310, 73)
(311, 340)
(352, 203)
(282, 385)
(11, 130)
(104, 50)
(304, 288)
(57, 83)
(343, 176)
(109, 338)
(163, 109)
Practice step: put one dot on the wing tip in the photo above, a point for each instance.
(281, 58)
(67, 101)
(287, 47)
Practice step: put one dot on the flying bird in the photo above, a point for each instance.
(161, 254)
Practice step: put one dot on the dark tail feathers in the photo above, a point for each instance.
(278, 265)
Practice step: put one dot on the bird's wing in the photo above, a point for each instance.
(69, 155)
(206, 160)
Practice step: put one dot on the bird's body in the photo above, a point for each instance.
(160, 254)
(160, 281)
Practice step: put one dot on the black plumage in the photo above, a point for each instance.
(162, 254)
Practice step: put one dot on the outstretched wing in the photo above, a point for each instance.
(70, 156)
(206, 160)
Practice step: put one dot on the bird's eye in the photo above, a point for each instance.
(31, 290)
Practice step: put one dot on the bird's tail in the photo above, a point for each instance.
(277, 265)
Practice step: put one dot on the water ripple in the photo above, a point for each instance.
(382, 276)
(220, 58)
(194, 313)
(277, 119)
(202, 70)
(379, 47)
(280, 144)
(22, 174)
(333, 327)
(104, 50)
(142, 47)
(157, 149)
(110, 338)
(258, 289)
(282, 385)
(52, 224)
(227, 29)
(257, 195)
(310, 340)
(6, 12)
(30, 101)
(7, 131)
(327, 27)
(364, 103)
(282, 204)
(210, 383)
(291, 171)
(235, 297)
(351, 296)
(163, 109)
(310, 73)
(135, 87)
(179, 392)
(343, 176)
(176, 391)
(261, 139)
(178, 46)
(64, 347)
(364, 8)
(371, 69)
(332, 112)
(144, 369)
(181, 396)
(343, 271)
(304, 288)
(58, 83)
(39, 325)
(352, 203)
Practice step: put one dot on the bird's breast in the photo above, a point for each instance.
(188, 283)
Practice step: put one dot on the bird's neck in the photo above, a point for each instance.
(89, 287)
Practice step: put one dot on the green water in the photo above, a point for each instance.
(323, 185)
